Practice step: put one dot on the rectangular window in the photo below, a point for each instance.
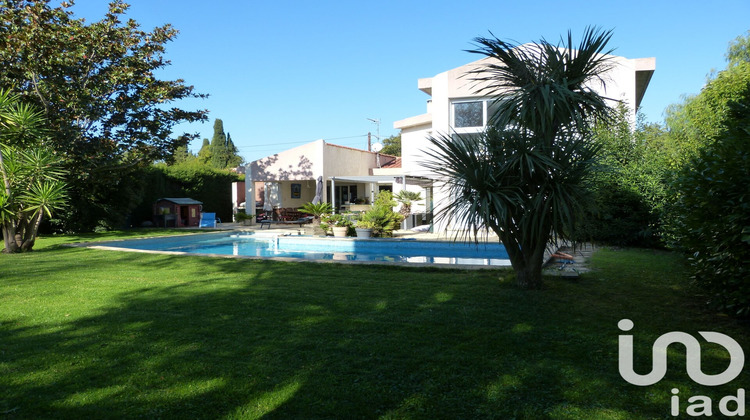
(296, 190)
(468, 114)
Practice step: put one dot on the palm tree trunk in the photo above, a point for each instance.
(9, 238)
(530, 278)
(526, 260)
(31, 232)
(6, 183)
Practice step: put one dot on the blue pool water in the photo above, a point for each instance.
(319, 248)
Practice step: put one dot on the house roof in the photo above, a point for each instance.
(180, 201)
(395, 163)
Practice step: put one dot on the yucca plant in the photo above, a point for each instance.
(32, 176)
(523, 177)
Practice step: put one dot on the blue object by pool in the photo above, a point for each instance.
(318, 248)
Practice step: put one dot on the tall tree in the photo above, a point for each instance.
(739, 50)
(97, 86)
(235, 159)
(222, 153)
(523, 177)
(204, 154)
(219, 153)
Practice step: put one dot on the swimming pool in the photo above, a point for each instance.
(377, 250)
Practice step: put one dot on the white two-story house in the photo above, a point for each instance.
(454, 107)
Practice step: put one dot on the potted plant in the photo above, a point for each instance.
(244, 218)
(317, 211)
(364, 228)
(337, 223)
(381, 216)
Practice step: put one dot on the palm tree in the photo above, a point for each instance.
(32, 184)
(406, 198)
(523, 178)
(317, 210)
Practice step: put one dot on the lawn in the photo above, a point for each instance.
(102, 334)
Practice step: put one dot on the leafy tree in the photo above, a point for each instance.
(204, 154)
(97, 86)
(739, 50)
(699, 118)
(32, 185)
(523, 178)
(182, 154)
(392, 146)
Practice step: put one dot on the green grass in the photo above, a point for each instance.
(101, 334)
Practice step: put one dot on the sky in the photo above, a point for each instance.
(283, 73)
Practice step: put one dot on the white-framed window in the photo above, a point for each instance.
(470, 115)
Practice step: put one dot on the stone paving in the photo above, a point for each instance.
(581, 256)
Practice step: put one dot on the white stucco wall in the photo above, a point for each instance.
(342, 161)
(299, 163)
(303, 165)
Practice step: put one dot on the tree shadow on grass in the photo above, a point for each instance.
(250, 339)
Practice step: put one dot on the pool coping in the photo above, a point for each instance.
(98, 245)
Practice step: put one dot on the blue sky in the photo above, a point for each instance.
(283, 73)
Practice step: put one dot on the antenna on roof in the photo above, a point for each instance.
(377, 147)
(377, 123)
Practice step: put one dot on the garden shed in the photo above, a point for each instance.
(177, 212)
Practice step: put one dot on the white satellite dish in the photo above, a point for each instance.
(377, 147)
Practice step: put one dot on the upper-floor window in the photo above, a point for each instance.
(470, 115)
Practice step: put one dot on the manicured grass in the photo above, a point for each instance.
(101, 334)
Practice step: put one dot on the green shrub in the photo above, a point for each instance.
(241, 216)
(714, 213)
(381, 217)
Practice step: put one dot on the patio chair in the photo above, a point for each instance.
(208, 220)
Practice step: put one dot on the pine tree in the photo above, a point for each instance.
(182, 154)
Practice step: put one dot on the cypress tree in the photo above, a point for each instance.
(235, 159)
(204, 154)
(219, 152)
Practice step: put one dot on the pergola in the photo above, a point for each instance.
(373, 180)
